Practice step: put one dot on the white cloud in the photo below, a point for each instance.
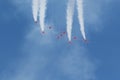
(30, 67)
(94, 13)
(44, 61)
(76, 64)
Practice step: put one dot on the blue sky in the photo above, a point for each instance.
(25, 54)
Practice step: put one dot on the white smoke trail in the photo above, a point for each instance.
(70, 12)
(35, 8)
(42, 13)
(80, 17)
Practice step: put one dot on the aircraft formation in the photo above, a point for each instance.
(39, 14)
(62, 34)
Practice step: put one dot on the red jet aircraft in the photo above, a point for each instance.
(50, 27)
(70, 42)
(75, 37)
(86, 41)
(43, 32)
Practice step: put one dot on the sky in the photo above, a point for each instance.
(26, 54)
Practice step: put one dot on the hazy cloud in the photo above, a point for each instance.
(44, 61)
